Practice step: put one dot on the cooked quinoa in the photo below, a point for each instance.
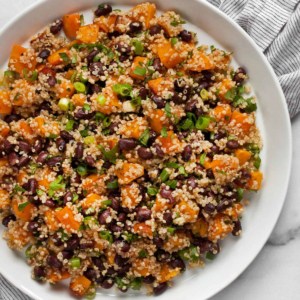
(125, 150)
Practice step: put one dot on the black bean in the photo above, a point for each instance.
(204, 244)
(213, 150)
(116, 228)
(219, 135)
(96, 68)
(145, 153)
(122, 217)
(152, 136)
(239, 76)
(209, 208)
(160, 102)
(13, 159)
(166, 193)
(177, 263)
(24, 147)
(87, 244)
(8, 219)
(143, 214)
(186, 36)
(245, 174)
(158, 242)
(232, 144)
(191, 183)
(120, 261)
(55, 161)
(79, 151)
(51, 81)
(44, 106)
(157, 65)
(7, 146)
(105, 217)
(190, 105)
(123, 48)
(91, 274)
(210, 174)
(66, 136)
(143, 92)
(199, 112)
(158, 151)
(237, 228)
(44, 53)
(61, 144)
(42, 157)
(12, 118)
(72, 243)
(177, 98)
(223, 204)
(54, 262)
(135, 27)
(97, 261)
(122, 246)
(50, 203)
(56, 27)
(32, 226)
(23, 161)
(127, 144)
(81, 114)
(149, 279)
(90, 160)
(122, 271)
(57, 240)
(160, 288)
(94, 89)
(168, 219)
(207, 75)
(39, 272)
(103, 10)
(107, 283)
(32, 185)
(155, 29)
(68, 197)
(91, 55)
(187, 153)
(37, 146)
(115, 204)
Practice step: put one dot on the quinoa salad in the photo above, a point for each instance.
(125, 150)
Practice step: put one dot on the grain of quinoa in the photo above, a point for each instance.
(125, 150)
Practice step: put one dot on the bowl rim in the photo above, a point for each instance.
(285, 113)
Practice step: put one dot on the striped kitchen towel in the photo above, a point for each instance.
(275, 26)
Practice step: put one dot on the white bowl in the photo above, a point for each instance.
(213, 27)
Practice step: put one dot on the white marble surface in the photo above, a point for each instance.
(275, 273)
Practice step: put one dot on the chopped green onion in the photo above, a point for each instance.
(106, 235)
(112, 185)
(174, 41)
(202, 123)
(204, 94)
(172, 184)
(152, 191)
(106, 203)
(79, 87)
(172, 165)
(81, 20)
(168, 110)
(75, 262)
(202, 159)
(89, 140)
(164, 132)
(251, 106)
(63, 104)
(136, 283)
(186, 124)
(143, 139)
(140, 71)
(22, 206)
(191, 254)
(110, 155)
(210, 256)
(122, 283)
(138, 47)
(18, 188)
(82, 170)
(65, 57)
(164, 175)
(28, 253)
(84, 133)
(122, 89)
(240, 194)
(101, 100)
(106, 122)
(136, 101)
(143, 253)
(171, 230)
(56, 185)
(86, 107)
(69, 125)
(181, 170)
(175, 22)
(257, 162)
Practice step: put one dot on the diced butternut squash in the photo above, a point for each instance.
(44, 179)
(91, 199)
(225, 86)
(23, 211)
(130, 195)
(176, 242)
(167, 273)
(20, 240)
(222, 163)
(65, 89)
(234, 211)
(67, 218)
(54, 276)
(88, 34)
(16, 63)
(94, 183)
(56, 58)
(200, 228)
(26, 97)
(138, 70)
(71, 24)
(107, 102)
(4, 199)
(170, 144)
(158, 120)
(143, 12)
(241, 122)
(128, 172)
(45, 127)
(143, 229)
(242, 155)
(78, 99)
(159, 85)
(106, 24)
(187, 210)
(200, 62)
(134, 128)
(219, 227)
(4, 129)
(5, 104)
(222, 113)
(25, 130)
(51, 220)
(169, 56)
(80, 285)
(255, 181)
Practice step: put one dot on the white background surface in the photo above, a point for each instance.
(275, 273)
